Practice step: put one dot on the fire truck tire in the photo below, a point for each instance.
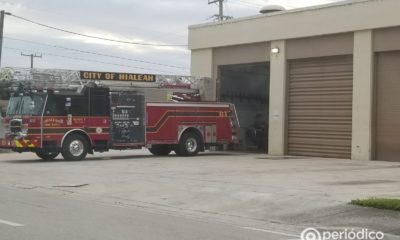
(189, 144)
(75, 147)
(160, 150)
(46, 155)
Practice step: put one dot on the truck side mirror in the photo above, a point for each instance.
(32, 106)
(67, 103)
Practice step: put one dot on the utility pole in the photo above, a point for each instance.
(32, 56)
(220, 16)
(2, 13)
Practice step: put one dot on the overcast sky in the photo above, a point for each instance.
(155, 21)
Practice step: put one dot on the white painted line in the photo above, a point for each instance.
(273, 232)
(12, 224)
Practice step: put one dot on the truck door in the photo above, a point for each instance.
(127, 119)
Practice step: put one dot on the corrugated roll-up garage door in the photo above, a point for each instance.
(388, 106)
(320, 107)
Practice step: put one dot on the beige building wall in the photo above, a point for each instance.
(302, 48)
(241, 54)
(321, 46)
(386, 39)
(277, 99)
(362, 95)
(202, 66)
(205, 62)
(358, 27)
(248, 53)
(340, 17)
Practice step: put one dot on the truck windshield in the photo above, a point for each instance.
(26, 105)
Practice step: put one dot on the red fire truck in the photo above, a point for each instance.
(97, 119)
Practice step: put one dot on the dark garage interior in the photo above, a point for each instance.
(247, 86)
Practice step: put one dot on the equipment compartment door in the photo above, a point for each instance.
(127, 119)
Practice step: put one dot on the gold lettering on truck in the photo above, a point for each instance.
(112, 76)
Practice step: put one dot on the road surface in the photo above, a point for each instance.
(134, 195)
(28, 215)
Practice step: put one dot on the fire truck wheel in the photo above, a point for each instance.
(189, 144)
(47, 155)
(160, 150)
(75, 148)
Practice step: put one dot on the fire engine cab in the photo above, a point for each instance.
(97, 119)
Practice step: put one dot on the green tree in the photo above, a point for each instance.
(5, 89)
(6, 77)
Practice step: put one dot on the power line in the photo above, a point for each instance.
(95, 53)
(142, 28)
(91, 60)
(96, 37)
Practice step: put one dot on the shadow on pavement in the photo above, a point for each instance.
(125, 157)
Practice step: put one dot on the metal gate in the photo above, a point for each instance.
(387, 145)
(320, 107)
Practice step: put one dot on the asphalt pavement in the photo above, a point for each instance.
(28, 215)
(134, 195)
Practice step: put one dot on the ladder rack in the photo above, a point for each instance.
(71, 79)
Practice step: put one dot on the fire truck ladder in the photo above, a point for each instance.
(70, 79)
